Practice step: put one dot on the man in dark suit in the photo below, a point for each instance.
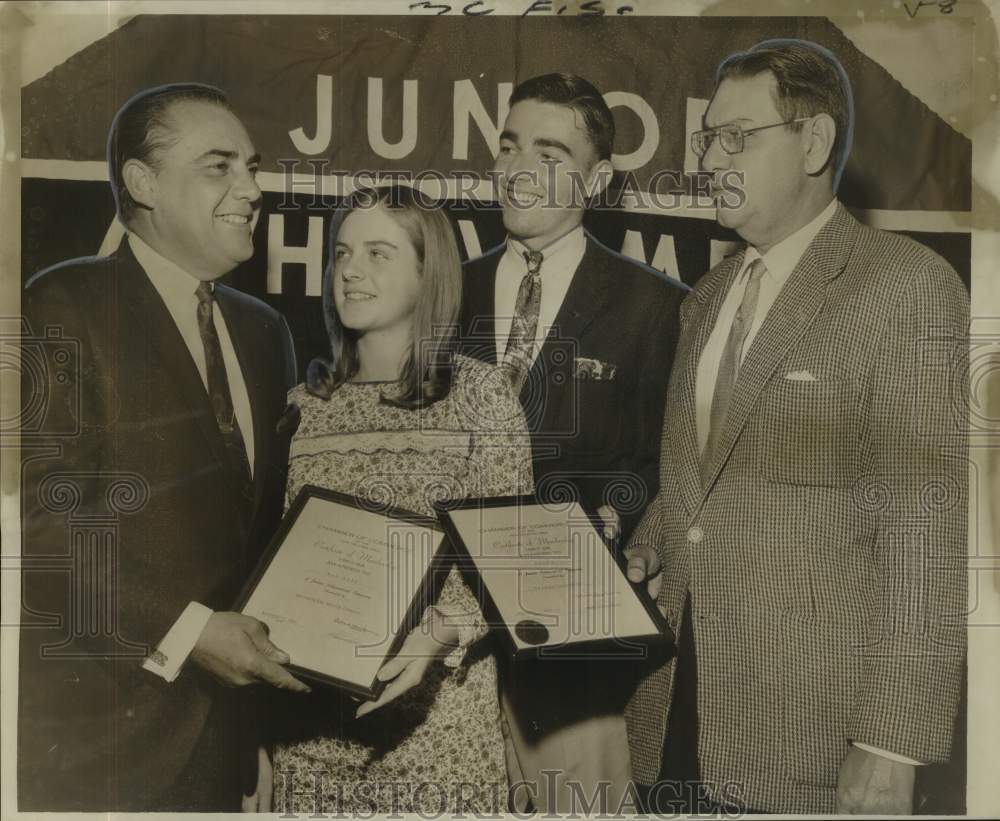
(587, 337)
(811, 525)
(157, 504)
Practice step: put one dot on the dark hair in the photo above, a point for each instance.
(810, 80)
(427, 371)
(574, 92)
(141, 129)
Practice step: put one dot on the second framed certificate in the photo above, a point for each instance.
(546, 577)
(342, 584)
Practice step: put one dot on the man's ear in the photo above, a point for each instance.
(819, 135)
(140, 181)
(599, 177)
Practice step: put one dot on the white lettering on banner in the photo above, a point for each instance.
(719, 249)
(467, 104)
(310, 254)
(112, 239)
(324, 120)
(376, 139)
(650, 130)
(632, 246)
(467, 228)
(664, 258)
(693, 121)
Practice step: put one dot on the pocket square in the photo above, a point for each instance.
(593, 369)
(800, 376)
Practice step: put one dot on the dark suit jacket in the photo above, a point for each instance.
(599, 435)
(130, 510)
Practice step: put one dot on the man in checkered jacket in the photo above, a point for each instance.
(807, 543)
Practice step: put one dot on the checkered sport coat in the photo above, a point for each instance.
(825, 556)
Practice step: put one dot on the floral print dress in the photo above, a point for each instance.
(438, 747)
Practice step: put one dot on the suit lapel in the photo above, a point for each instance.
(703, 309)
(586, 300)
(588, 294)
(793, 312)
(147, 312)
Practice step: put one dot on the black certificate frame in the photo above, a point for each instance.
(664, 639)
(426, 592)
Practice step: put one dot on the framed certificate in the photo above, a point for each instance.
(342, 584)
(546, 577)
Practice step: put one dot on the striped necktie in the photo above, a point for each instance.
(729, 364)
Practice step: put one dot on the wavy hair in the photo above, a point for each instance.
(810, 80)
(142, 129)
(427, 370)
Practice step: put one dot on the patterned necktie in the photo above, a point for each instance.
(524, 324)
(218, 385)
(729, 364)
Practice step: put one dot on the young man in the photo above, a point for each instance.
(180, 384)
(816, 587)
(587, 337)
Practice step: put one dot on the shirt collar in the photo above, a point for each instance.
(173, 283)
(569, 246)
(782, 258)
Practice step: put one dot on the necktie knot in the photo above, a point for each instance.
(534, 260)
(204, 293)
(757, 270)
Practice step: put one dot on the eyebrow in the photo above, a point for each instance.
(226, 155)
(545, 142)
(371, 243)
(540, 142)
(705, 124)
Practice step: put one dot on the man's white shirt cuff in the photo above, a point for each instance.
(902, 759)
(171, 653)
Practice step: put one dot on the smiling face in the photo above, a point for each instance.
(202, 192)
(545, 160)
(376, 273)
(775, 179)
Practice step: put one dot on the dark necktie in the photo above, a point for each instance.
(729, 364)
(218, 385)
(524, 324)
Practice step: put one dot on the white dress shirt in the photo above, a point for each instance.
(176, 288)
(780, 261)
(560, 259)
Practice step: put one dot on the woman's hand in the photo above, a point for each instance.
(260, 801)
(431, 639)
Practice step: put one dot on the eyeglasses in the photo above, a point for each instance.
(731, 136)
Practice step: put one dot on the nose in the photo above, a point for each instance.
(517, 166)
(715, 158)
(245, 187)
(349, 271)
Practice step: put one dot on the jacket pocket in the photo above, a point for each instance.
(811, 432)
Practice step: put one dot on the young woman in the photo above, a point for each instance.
(396, 416)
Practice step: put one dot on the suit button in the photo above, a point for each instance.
(695, 535)
(536, 727)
